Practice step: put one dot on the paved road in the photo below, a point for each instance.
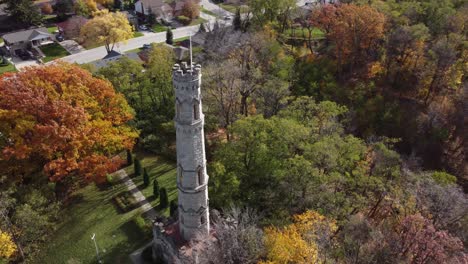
(98, 53)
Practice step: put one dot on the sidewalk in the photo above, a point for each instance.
(143, 204)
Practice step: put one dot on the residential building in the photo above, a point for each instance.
(27, 39)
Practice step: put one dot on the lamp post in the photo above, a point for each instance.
(95, 245)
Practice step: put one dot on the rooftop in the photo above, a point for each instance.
(27, 35)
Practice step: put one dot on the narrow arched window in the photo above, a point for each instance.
(203, 219)
(177, 109)
(200, 176)
(181, 174)
(196, 113)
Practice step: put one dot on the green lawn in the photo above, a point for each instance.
(7, 68)
(164, 171)
(197, 21)
(53, 51)
(233, 8)
(159, 28)
(208, 12)
(1, 40)
(137, 34)
(52, 29)
(303, 32)
(133, 50)
(93, 211)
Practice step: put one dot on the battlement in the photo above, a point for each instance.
(185, 73)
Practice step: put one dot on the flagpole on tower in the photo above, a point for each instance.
(190, 39)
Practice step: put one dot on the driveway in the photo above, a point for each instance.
(209, 5)
(20, 64)
(72, 46)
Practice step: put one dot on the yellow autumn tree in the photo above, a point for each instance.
(7, 247)
(297, 243)
(107, 28)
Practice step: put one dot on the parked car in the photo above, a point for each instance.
(143, 27)
(227, 17)
(59, 37)
(146, 46)
(23, 54)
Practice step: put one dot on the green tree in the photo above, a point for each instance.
(146, 179)
(23, 11)
(173, 208)
(155, 188)
(151, 18)
(129, 158)
(237, 20)
(163, 199)
(137, 167)
(169, 36)
(62, 8)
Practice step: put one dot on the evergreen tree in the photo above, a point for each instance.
(173, 208)
(202, 27)
(129, 158)
(23, 11)
(137, 167)
(155, 189)
(163, 200)
(62, 8)
(146, 180)
(169, 36)
(237, 20)
(151, 19)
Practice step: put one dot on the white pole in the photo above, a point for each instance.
(95, 245)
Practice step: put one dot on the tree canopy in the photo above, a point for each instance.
(108, 29)
(62, 118)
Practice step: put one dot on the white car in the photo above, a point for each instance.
(143, 27)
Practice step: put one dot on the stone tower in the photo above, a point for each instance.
(192, 179)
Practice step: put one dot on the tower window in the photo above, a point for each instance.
(177, 109)
(200, 175)
(196, 113)
(203, 219)
(181, 174)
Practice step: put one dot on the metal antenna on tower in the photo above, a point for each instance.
(190, 40)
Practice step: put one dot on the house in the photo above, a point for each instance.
(132, 18)
(158, 7)
(27, 39)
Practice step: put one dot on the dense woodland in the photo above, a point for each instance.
(342, 147)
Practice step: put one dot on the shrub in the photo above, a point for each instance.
(173, 208)
(129, 158)
(146, 180)
(155, 189)
(169, 36)
(137, 167)
(125, 201)
(109, 178)
(163, 200)
(184, 20)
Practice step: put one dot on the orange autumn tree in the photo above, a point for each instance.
(355, 31)
(63, 118)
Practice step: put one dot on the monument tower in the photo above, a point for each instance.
(192, 179)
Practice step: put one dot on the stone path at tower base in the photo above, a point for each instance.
(143, 204)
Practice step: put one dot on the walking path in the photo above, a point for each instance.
(144, 205)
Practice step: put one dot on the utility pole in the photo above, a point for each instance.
(95, 245)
